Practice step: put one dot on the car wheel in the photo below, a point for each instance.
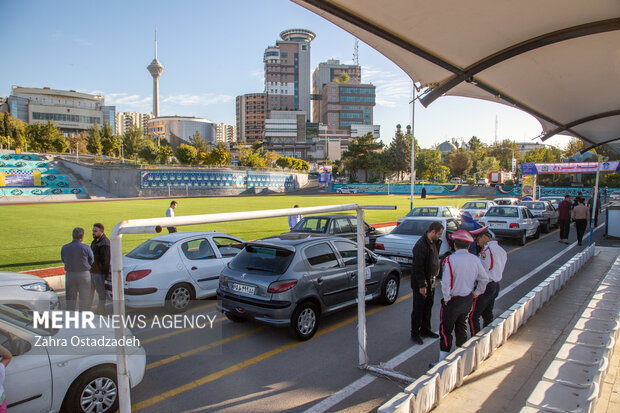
(537, 233)
(523, 238)
(234, 318)
(305, 321)
(547, 227)
(389, 292)
(179, 297)
(94, 391)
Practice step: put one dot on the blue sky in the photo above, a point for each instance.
(212, 51)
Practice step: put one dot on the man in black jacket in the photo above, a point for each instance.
(100, 269)
(425, 269)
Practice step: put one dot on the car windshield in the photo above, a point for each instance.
(262, 259)
(22, 319)
(475, 205)
(533, 205)
(504, 202)
(312, 224)
(412, 227)
(499, 211)
(150, 250)
(423, 212)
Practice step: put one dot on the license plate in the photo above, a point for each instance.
(242, 288)
(497, 225)
(402, 260)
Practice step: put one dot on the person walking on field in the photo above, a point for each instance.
(461, 270)
(294, 219)
(564, 216)
(425, 269)
(581, 216)
(170, 214)
(493, 259)
(100, 270)
(78, 259)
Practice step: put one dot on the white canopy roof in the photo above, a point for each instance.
(558, 60)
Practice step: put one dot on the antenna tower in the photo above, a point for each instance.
(356, 54)
(496, 126)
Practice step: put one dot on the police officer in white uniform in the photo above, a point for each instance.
(461, 270)
(493, 258)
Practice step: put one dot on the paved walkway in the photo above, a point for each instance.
(505, 381)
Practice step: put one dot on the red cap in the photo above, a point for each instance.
(462, 235)
(479, 230)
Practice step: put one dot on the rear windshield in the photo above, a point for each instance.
(475, 205)
(412, 227)
(262, 259)
(499, 211)
(423, 212)
(504, 202)
(150, 250)
(312, 224)
(533, 205)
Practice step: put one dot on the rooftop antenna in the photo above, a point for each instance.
(496, 125)
(356, 54)
(155, 43)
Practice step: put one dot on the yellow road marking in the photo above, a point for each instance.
(533, 242)
(254, 360)
(175, 332)
(148, 320)
(200, 349)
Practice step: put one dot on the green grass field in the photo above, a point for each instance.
(32, 235)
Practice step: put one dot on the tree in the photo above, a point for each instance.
(187, 154)
(252, 158)
(148, 150)
(12, 131)
(165, 153)
(358, 155)
(487, 164)
(220, 155)
(399, 154)
(459, 162)
(545, 154)
(109, 142)
(503, 151)
(93, 143)
(427, 162)
(198, 142)
(43, 137)
(574, 146)
(77, 141)
(132, 140)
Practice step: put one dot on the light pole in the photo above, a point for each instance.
(412, 146)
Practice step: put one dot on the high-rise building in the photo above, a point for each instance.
(71, 111)
(155, 69)
(287, 71)
(346, 104)
(251, 113)
(328, 72)
(127, 120)
(225, 133)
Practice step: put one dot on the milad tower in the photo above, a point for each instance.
(155, 69)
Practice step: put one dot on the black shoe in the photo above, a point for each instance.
(416, 339)
(429, 334)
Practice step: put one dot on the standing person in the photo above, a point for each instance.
(493, 259)
(100, 270)
(78, 259)
(605, 194)
(581, 215)
(578, 198)
(461, 271)
(294, 219)
(564, 216)
(6, 359)
(425, 269)
(170, 214)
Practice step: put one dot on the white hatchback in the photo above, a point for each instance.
(515, 221)
(172, 270)
(477, 208)
(432, 211)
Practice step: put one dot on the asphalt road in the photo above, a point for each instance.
(243, 367)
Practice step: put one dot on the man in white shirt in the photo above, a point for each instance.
(461, 270)
(493, 259)
(170, 214)
(294, 219)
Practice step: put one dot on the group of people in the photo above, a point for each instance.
(469, 285)
(578, 212)
(87, 269)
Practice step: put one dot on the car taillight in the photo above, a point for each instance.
(481, 223)
(514, 226)
(137, 275)
(281, 286)
(379, 247)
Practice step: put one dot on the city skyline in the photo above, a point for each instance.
(209, 64)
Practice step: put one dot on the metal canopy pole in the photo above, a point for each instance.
(412, 146)
(594, 201)
(361, 289)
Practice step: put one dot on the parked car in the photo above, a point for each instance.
(172, 270)
(554, 200)
(456, 181)
(477, 208)
(27, 292)
(291, 283)
(43, 377)
(544, 212)
(483, 182)
(398, 244)
(515, 221)
(506, 201)
(432, 211)
(347, 190)
(338, 225)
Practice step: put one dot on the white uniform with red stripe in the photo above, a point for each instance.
(460, 271)
(493, 258)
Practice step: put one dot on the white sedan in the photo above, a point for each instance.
(432, 211)
(26, 291)
(398, 244)
(45, 375)
(347, 190)
(172, 270)
(477, 209)
(515, 222)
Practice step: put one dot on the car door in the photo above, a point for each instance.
(327, 274)
(530, 221)
(202, 263)
(348, 253)
(341, 227)
(28, 378)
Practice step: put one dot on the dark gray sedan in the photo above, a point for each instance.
(291, 283)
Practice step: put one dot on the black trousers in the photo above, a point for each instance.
(422, 309)
(580, 226)
(483, 306)
(454, 318)
(564, 228)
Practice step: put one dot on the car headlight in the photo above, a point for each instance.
(41, 286)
